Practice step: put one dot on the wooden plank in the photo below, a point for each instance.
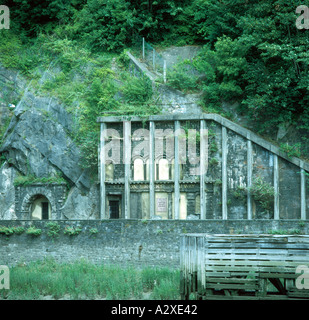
(286, 275)
(231, 280)
(219, 286)
(229, 262)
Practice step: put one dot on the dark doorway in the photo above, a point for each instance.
(45, 210)
(114, 209)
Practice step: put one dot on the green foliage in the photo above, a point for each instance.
(27, 180)
(137, 90)
(255, 55)
(222, 67)
(213, 162)
(6, 230)
(182, 76)
(18, 230)
(53, 229)
(291, 150)
(83, 280)
(93, 231)
(240, 193)
(32, 16)
(283, 231)
(33, 231)
(72, 231)
(262, 192)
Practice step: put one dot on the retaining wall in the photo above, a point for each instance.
(124, 242)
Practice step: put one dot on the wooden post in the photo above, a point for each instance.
(176, 172)
(102, 172)
(154, 59)
(249, 179)
(203, 160)
(224, 174)
(127, 167)
(151, 169)
(276, 188)
(303, 193)
(143, 48)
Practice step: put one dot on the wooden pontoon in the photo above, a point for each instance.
(244, 266)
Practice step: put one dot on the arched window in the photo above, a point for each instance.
(163, 169)
(40, 208)
(109, 172)
(138, 170)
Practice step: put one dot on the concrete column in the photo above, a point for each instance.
(224, 173)
(127, 167)
(102, 173)
(303, 194)
(249, 179)
(176, 172)
(152, 169)
(203, 159)
(276, 188)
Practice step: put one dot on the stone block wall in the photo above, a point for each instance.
(124, 242)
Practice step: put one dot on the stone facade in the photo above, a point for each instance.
(149, 171)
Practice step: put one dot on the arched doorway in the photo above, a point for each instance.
(40, 208)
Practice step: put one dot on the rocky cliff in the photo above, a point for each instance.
(38, 142)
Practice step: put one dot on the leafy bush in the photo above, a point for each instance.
(105, 25)
(182, 76)
(72, 231)
(6, 230)
(291, 150)
(137, 90)
(93, 231)
(53, 229)
(19, 230)
(33, 231)
(262, 192)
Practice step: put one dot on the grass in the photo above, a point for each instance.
(83, 280)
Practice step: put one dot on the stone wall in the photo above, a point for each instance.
(132, 242)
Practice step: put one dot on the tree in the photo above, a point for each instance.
(255, 54)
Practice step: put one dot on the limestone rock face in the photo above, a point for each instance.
(39, 142)
(7, 192)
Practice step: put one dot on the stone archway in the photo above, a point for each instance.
(33, 200)
(40, 208)
(31, 196)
